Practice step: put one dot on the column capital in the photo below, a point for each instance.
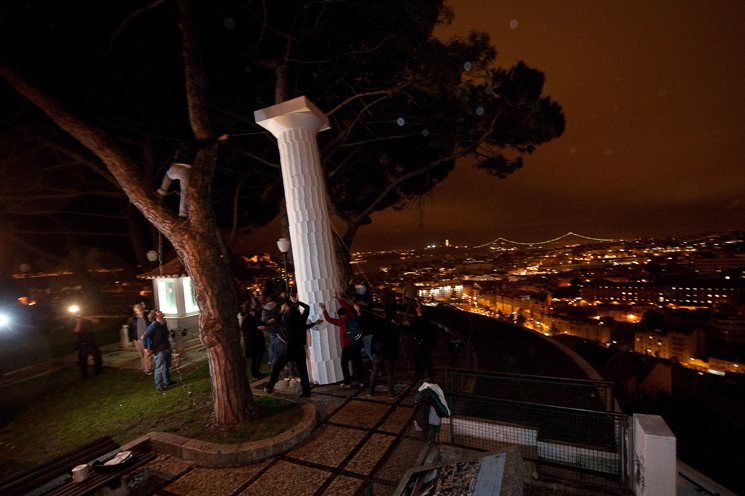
(298, 113)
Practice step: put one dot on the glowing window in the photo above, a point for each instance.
(167, 296)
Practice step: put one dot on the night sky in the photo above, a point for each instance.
(653, 97)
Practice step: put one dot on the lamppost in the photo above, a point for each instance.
(284, 246)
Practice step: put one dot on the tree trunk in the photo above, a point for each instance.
(200, 253)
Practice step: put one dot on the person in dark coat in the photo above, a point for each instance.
(384, 350)
(136, 327)
(425, 338)
(86, 345)
(290, 343)
(253, 338)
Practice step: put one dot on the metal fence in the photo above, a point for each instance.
(565, 427)
(540, 416)
(571, 393)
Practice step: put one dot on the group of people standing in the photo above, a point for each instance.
(150, 336)
(285, 320)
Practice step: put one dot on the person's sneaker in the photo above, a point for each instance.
(345, 385)
(288, 378)
(170, 383)
(368, 395)
(160, 390)
(268, 391)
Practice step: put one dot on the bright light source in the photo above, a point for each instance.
(4, 320)
(74, 309)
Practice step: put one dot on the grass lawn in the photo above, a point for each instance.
(49, 415)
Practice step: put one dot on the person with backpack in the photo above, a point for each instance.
(350, 338)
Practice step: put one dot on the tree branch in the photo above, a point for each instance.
(124, 22)
(77, 233)
(53, 212)
(355, 97)
(393, 185)
(341, 56)
(98, 142)
(195, 77)
(30, 247)
(72, 194)
(95, 167)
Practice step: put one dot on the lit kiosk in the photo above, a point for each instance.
(174, 295)
(295, 124)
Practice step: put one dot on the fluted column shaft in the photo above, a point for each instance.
(295, 124)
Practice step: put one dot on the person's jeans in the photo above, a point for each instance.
(283, 354)
(272, 339)
(180, 173)
(378, 363)
(162, 368)
(83, 354)
(354, 354)
(367, 343)
(256, 357)
(423, 358)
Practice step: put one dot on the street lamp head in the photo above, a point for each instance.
(152, 255)
(283, 244)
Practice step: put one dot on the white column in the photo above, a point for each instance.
(295, 124)
(655, 456)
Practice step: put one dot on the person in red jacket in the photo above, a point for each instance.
(350, 350)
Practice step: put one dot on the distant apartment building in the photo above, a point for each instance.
(725, 358)
(525, 305)
(593, 330)
(691, 293)
(719, 264)
(683, 343)
(445, 292)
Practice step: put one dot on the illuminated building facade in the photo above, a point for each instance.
(683, 293)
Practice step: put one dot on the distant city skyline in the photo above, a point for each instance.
(655, 115)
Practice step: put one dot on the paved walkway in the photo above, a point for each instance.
(352, 433)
